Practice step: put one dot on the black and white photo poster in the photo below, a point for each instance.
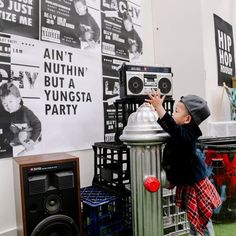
(56, 23)
(121, 30)
(58, 99)
(121, 42)
(224, 50)
(110, 126)
(111, 92)
(59, 62)
(72, 23)
(5, 50)
(20, 17)
(113, 41)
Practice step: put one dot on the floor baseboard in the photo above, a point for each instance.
(12, 232)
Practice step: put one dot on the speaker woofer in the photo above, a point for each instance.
(56, 225)
(164, 85)
(135, 85)
(52, 204)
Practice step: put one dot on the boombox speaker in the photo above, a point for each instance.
(47, 194)
(136, 80)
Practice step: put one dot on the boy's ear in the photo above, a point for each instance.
(188, 119)
(18, 99)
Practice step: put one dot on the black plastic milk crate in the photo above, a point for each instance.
(124, 107)
(112, 166)
(220, 158)
(105, 213)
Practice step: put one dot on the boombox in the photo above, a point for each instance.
(138, 80)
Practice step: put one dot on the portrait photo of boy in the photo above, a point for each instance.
(86, 27)
(25, 127)
(134, 42)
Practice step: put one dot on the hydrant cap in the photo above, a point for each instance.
(142, 126)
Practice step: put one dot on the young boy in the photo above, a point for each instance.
(134, 42)
(184, 169)
(86, 27)
(24, 125)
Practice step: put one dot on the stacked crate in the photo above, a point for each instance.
(111, 166)
(107, 203)
(174, 220)
(103, 213)
(220, 159)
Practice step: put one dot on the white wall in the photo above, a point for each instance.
(178, 43)
(185, 40)
(7, 205)
(216, 96)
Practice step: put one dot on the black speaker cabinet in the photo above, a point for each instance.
(47, 194)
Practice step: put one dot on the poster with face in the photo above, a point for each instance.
(72, 23)
(121, 43)
(132, 32)
(45, 99)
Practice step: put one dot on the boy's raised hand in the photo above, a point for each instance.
(156, 100)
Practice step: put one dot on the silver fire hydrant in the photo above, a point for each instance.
(145, 137)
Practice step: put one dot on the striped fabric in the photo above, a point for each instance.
(198, 201)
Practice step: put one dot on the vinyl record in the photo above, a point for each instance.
(135, 85)
(164, 85)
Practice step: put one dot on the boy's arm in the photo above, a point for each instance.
(169, 125)
(35, 124)
(95, 28)
(139, 42)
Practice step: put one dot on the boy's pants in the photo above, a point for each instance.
(208, 231)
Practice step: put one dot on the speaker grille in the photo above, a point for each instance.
(164, 85)
(63, 180)
(38, 184)
(135, 85)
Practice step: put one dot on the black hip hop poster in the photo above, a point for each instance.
(224, 50)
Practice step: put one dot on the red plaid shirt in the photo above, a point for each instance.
(198, 201)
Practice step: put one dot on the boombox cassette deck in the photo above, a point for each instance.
(139, 80)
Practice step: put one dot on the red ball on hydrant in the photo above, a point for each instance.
(152, 184)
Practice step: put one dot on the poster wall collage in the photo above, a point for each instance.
(59, 78)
